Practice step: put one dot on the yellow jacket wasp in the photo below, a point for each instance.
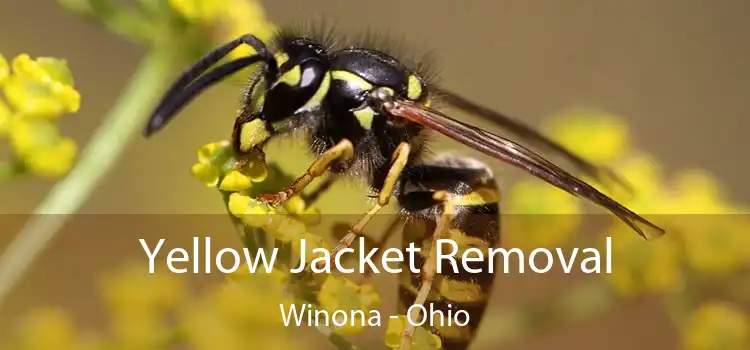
(366, 115)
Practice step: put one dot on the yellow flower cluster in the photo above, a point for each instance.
(243, 311)
(541, 215)
(217, 167)
(716, 325)
(36, 93)
(702, 232)
(156, 311)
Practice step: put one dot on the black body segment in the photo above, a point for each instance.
(476, 224)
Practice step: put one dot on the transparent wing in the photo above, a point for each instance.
(523, 132)
(519, 156)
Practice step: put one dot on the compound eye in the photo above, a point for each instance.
(416, 89)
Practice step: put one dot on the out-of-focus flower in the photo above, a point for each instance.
(44, 151)
(199, 10)
(252, 301)
(244, 17)
(339, 293)
(231, 18)
(715, 325)
(715, 238)
(597, 136)
(138, 301)
(421, 340)
(697, 192)
(134, 291)
(541, 215)
(639, 266)
(645, 177)
(241, 312)
(47, 328)
(38, 92)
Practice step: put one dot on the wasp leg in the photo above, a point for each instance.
(342, 151)
(314, 195)
(429, 269)
(400, 158)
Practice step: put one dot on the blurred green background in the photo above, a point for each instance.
(675, 70)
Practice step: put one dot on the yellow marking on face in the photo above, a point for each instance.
(281, 58)
(291, 77)
(484, 195)
(414, 88)
(365, 117)
(351, 78)
(252, 134)
(320, 94)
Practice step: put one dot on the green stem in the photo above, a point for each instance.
(96, 161)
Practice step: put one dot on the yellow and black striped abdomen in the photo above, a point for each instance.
(475, 224)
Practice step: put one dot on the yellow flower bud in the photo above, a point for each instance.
(235, 181)
(23, 65)
(207, 151)
(26, 135)
(295, 205)
(251, 212)
(53, 161)
(238, 204)
(205, 173)
(40, 99)
(256, 216)
(41, 87)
